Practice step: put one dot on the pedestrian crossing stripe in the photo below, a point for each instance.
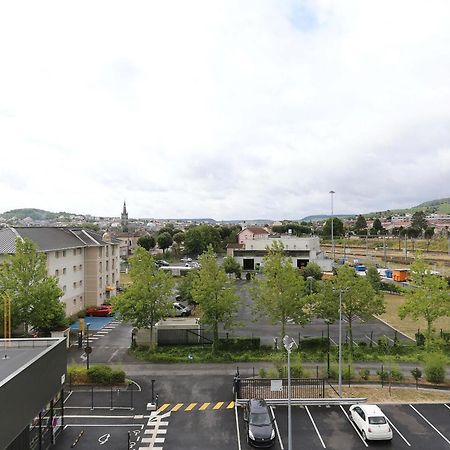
(195, 406)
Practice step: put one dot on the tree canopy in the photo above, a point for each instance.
(231, 265)
(338, 228)
(218, 302)
(148, 242)
(280, 294)
(198, 238)
(429, 297)
(360, 226)
(164, 240)
(33, 293)
(148, 299)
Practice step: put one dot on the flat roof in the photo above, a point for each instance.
(16, 354)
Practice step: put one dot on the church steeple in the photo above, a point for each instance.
(124, 216)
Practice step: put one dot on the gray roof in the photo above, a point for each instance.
(50, 238)
(8, 241)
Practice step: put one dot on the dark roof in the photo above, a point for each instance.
(256, 230)
(51, 238)
(8, 241)
(235, 245)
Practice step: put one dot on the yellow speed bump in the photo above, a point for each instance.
(218, 405)
(176, 407)
(204, 406)
(231, 405)
(190, 407)
(163, 407)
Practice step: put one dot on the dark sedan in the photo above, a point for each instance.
(260, 429)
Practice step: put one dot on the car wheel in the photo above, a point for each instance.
(364, 435)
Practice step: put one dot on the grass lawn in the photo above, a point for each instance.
(408, 325)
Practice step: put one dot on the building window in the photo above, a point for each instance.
(113, 276)
(64, 253)
(99, 252)
(107, 250)
(74, 268)
(57, 254)
(100, 267)
(107, 266)
(74, 284)
(79, 251)
(64, 271)
(107, 279)
(56, 272)
(74, 301)
(74, 251)
(64, 288)
(113, 250)
(81, 266)
(113, 264)
(81, 298)
(100, 282)
(81, 282)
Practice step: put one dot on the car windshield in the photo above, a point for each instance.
(377, 420)
(260, 419)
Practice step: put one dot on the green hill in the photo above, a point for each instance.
(35, 214)
(439, 206)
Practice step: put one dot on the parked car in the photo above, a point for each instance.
(259, 420)
(181, 310)
(161, 262)
(186, 260)
(371, 421)
(99, 311)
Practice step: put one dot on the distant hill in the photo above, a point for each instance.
(35, 214)
(321, 217)
(439, 206)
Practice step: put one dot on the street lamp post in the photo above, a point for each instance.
(289, 343)
(340, 340)
(87, 349)
(332, 226)
(327, 321)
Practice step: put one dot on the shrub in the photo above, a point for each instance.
(296, 370)
(435, 368)
(396, 374)
(348, 373)
(364, 374)
(383, 374)
(100, 374)
(77, 375)
(262, 373)
(239, 344)
(334, 372)
(416, 373)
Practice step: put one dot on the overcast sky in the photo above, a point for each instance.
(224, 109)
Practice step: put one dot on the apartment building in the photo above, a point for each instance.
(85, 263)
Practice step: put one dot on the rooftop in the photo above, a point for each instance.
(20, 353)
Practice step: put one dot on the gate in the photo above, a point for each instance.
(300, 388)
(184, 337)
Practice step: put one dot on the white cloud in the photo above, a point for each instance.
(224, 109)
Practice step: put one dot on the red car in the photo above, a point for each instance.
(99, 311)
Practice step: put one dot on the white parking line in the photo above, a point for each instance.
(392, 340)
(354, 426)
(398, 432)
(371, 340)
(333, 342)
(446, 406)
(315, 427)
(237, 426)
(276, 428)
(431, 425)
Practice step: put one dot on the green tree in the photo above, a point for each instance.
(230, 265)
(313, 270)
(419, 221)
(148, 299)
(198, 238)
(34, 294)
(178, 237)
(429, 297)
(377, 227)
(184, 285)
(374, 278)
(164, 241)
(360, 226)
(280, 294)
(359, 299)
(218, 302)
(148, 242)
(338, 228)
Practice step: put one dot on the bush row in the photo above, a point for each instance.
(99, 374)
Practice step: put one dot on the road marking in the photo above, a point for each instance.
(237, 427)
(204, 406)
(176, 407)
(333, 341)
(113, 355)
(218, 405)
(73, 425)
(370, 340)
(163, 407)
(398, 432)
(354, 426)
(191, 407)
(315, 427)
(88, 416)
(431, 425)
(230, 405)
(395, 329)
(276, 428)
(392, 340)
(446, 406)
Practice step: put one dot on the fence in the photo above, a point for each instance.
(184, 337)
(262, 388)
(97, 397)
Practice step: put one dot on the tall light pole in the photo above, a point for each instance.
(289, 344)
(332, 225)
(340, 340)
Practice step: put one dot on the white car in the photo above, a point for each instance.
(371, 422)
